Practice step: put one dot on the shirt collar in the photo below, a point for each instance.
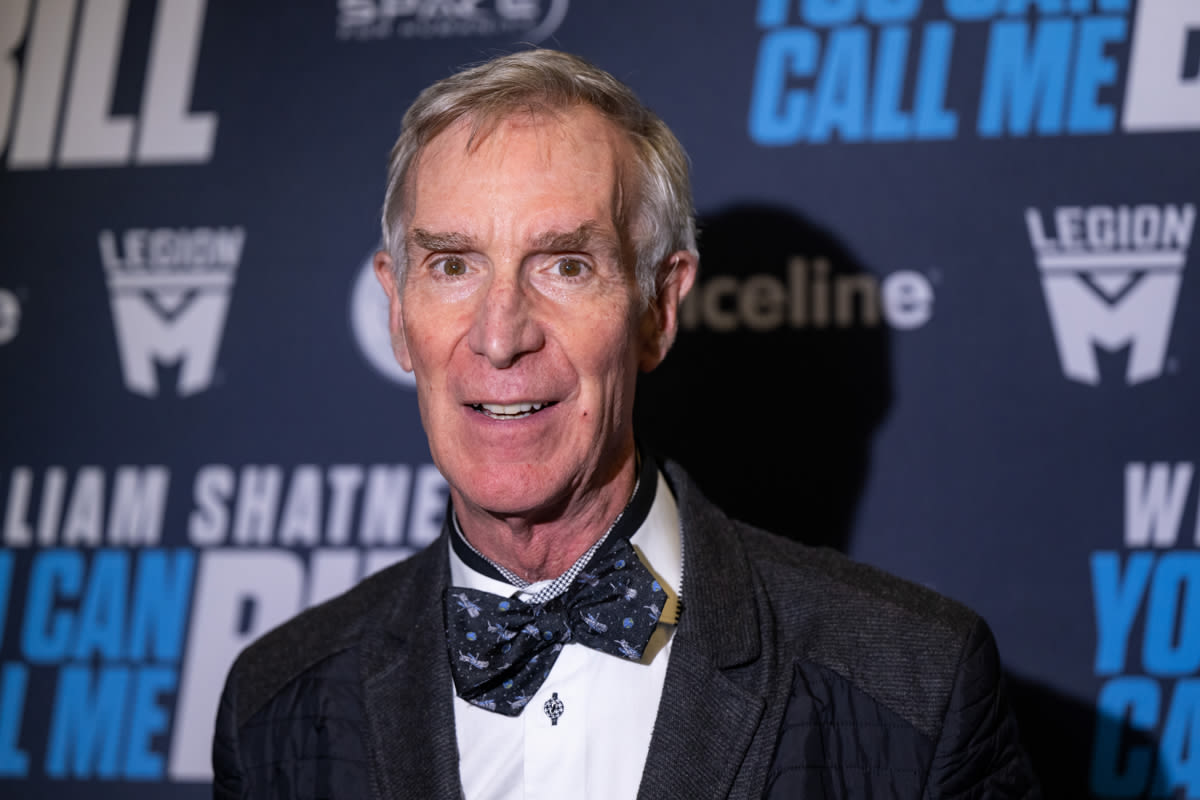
(650, 521)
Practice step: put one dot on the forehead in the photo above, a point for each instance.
(553, 168)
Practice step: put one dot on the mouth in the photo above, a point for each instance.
(511, 410)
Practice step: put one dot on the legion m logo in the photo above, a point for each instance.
(1111, 278)
(169, 291)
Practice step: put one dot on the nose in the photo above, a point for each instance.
(504, 327)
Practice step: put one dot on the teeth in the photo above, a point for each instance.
(511, 410)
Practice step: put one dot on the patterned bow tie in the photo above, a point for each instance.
(502, 649)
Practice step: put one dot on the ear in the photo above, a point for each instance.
(385, 272)
(660, 321)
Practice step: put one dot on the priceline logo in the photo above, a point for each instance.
(809, 296)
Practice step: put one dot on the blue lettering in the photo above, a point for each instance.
(820, 13)
(1173, 610)
(102, 610)
(971, 10)
(887, 120)
(1116, 602)
(1085, 6)
(86, 725)
(147, 720)
(840, 99)
(1017, 8)
(1179, 755)
(772, 13)
(14, 762)
(1135, 697)
(46, 634)
(884, 12)
(162, 593)
(777, 114)
(934, 120)
(1094, 69)
(6, 571)
(1017, 81)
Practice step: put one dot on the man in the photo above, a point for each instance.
(588, 625)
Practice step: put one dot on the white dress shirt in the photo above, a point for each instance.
(597, 749)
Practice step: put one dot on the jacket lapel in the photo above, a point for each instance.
(407, 689)
(716, 685)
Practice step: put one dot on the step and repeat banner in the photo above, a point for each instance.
(948, 321)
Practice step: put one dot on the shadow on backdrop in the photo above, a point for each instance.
(1081, 752)
(779, 378)
(771, 397)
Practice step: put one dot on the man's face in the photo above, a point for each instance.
(520, 313)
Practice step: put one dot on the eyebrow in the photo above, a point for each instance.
(579, 240)
(440, 242)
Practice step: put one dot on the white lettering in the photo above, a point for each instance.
(208, 524)
(1157, 96)
(46, 49)
(300, 525)
(1111, 279)
(1154, 498)
(239, 596)
(10, 316)
(907, 300)
(344, 482)
(167, 132)
(429, 506)
(139, 500)
(257, 501)
(85, 513)
(383, 509)
(17, 532)
(90, 136)
(811, 297)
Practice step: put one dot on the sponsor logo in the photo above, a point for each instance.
(1147, 621)
(10, 316)
(527, 20)
(169, 290)
(114, 658)
(867, 70)
(1111, 277)
(61, 88)
(809, 296)
(369, 321)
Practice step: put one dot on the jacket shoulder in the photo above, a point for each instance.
(899, 642)
(286, 652)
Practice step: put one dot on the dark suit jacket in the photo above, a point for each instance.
(794, 672)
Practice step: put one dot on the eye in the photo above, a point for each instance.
(452, 266)
(570, 267)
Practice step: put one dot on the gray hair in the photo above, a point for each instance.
(541, 81)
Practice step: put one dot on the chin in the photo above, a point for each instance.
(506, 489)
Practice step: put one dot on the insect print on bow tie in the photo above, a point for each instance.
(653, 610)
(489, 705)
(504, 633)
(472, 659)
(595, 624)
(520, 701)
(466, 605)
(531, 629)
(588, 578)
(628, 651)
(629, 592)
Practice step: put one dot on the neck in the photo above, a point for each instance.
(543, 546)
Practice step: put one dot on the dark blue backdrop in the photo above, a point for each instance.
(946, 322)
